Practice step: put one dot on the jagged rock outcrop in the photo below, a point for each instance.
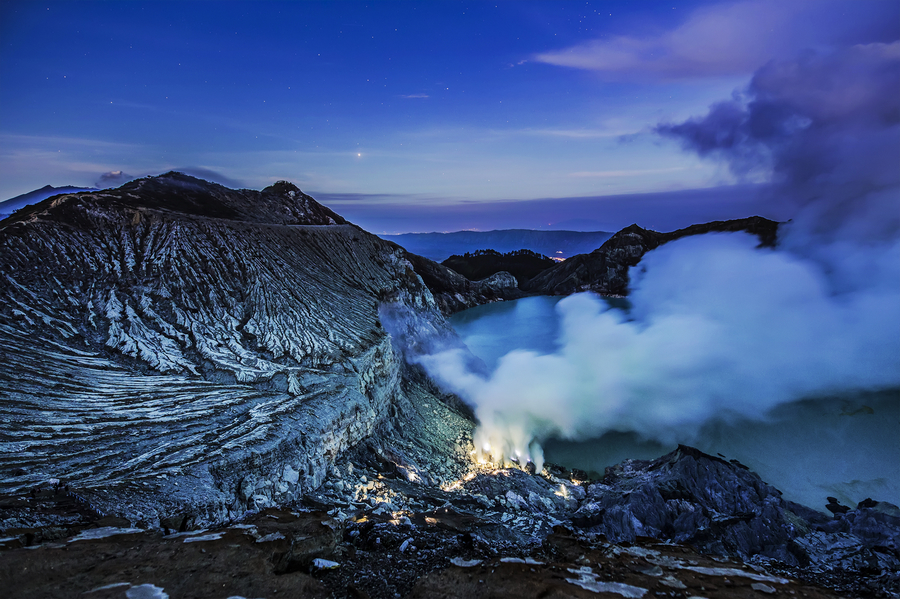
(605, 270)
(453, 292)
(173, 345)
(722, 508)
(523, 264)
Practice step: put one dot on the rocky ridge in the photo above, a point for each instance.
(440, 246)
(173, 345)
(453, 292)
(8, 207)
(605, 270)
(522, 264)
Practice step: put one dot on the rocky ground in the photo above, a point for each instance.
(496, 532)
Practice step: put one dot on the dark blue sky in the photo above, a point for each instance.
(402, 116)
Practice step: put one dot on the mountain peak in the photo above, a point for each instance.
(279, 203)
(282, 203)
(170, 179)
(282, 188)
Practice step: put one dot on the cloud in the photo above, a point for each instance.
(113, 179)
(340, 199)
(573, 133)
(55, 142)
(629, 173)
(824, 127)
(414, 96)
(733, 38)
(663, 211)
(211, 175)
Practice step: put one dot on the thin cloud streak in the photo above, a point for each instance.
(575, 133)
(630, 173)
(662, 211)
(730, 39)
(21, 142)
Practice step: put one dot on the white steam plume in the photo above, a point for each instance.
(721, 329)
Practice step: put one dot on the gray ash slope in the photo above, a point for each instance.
(174, 345)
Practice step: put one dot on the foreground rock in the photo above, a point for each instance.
(272, 555)
(366, 552)
(722, 508)
(453, 292)
(687, 524)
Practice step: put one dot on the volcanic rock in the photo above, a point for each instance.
(723, 509)
(522, 264)
(605, 270)
(453, 292)
(175, 347)
(183, 358)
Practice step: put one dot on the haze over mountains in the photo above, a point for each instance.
(554, 244)
(9, 206)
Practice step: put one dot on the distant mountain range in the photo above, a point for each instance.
(38, 195)
(555, 244)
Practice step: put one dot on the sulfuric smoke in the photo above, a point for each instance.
(720, 329)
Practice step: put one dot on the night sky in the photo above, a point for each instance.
(407, 116)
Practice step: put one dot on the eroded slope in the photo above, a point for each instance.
(175, 343)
